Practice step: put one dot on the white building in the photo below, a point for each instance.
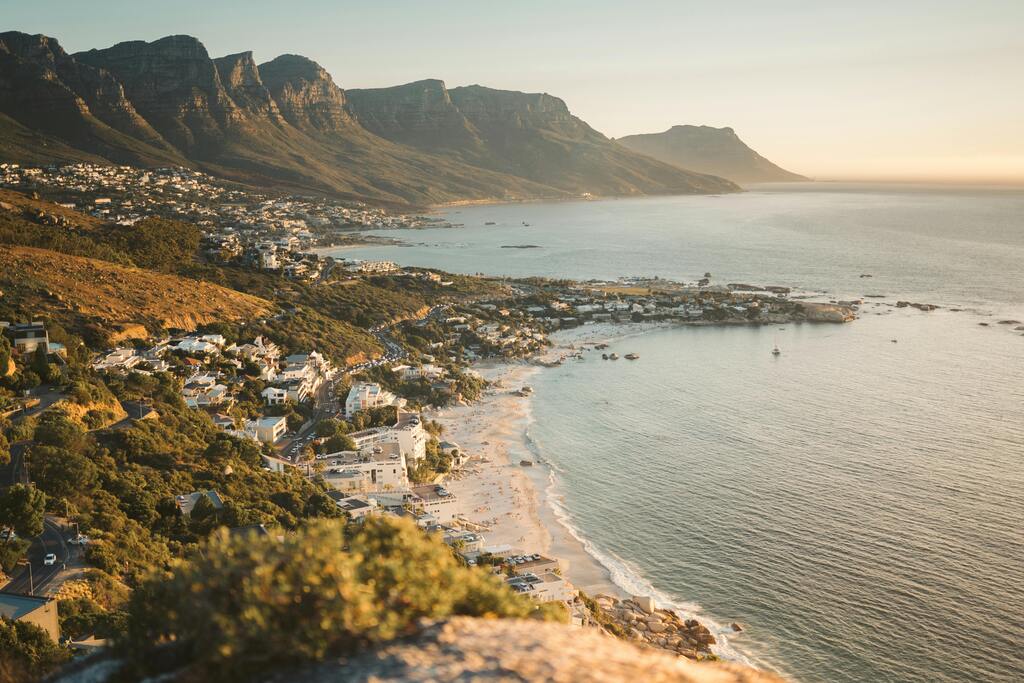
(274, 396)
(366, 395)
(118, 359)
(270, 429)
(383, 466)
(407, 432)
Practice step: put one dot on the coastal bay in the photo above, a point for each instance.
(828, 499)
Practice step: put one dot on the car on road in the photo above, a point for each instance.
(50, 559)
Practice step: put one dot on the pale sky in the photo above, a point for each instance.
(896, 89)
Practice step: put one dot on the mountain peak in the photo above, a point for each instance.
(305, 94)
(289, 67)
(706, 149)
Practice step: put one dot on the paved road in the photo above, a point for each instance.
(50, 541)
(16, 472)
(47, 395)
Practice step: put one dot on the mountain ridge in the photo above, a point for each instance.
(718, 151)
(286, 124)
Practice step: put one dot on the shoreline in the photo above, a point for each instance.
(510, 500)
(521, 506)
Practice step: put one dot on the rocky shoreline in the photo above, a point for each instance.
(638, 619)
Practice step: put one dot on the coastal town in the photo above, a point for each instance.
(388, 434)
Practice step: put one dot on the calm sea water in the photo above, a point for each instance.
(857, 504)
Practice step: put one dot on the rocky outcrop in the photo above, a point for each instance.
(826, 313)
(420, 114)
(174, 84)
(465, 649)
(306, 94)
(640, 620)
(718, 151)
(47, 91)
(241, 79)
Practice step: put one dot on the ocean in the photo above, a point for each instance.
(857, 504)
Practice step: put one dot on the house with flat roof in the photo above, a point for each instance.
(366, 395)
(383, 467)
(270, 429)
(31, 609)
(275, 396)
(26, 337)
(357, 507)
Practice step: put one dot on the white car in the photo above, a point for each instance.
(50, 559)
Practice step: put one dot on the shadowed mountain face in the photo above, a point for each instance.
(286, 124)
(529, 135)
(718, 151)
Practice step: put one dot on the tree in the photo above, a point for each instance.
(27, 653)
(55, 429)
(5, 355)
(320, 504)
(326, 428)
(5, 450)
(41, 362)
(22, 508)
(339, 442)
(62, 473)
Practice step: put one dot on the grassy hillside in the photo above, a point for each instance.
(82, 291)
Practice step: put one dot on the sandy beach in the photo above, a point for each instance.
(495, 490)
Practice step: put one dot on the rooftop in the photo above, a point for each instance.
(16, 605)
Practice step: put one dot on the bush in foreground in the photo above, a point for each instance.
(250, 602)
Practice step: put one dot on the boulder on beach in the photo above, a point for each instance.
(644, 602)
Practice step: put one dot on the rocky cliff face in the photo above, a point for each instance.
(420, 114)
(100, 92)
(306, 94)
(46, 90)
(486, 107)
(532, 136)
(174, 84)
(286, 123)
(240, 77)
(718, 151)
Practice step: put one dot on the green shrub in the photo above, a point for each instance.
(247, 603)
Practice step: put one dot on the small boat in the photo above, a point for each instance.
(893, 341)
(604, 356)
(613, 356)
(632, 356)
(776, 351)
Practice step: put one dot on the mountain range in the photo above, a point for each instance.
(286, 124)
(717, 151)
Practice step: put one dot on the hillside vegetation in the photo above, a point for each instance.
(81, 291)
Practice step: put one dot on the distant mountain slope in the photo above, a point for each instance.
(718, 151)
(47, 92)
(286, 124)
(528, 135)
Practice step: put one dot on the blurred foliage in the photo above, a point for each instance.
(245, 604)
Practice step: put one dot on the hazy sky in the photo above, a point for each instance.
(913, 89)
